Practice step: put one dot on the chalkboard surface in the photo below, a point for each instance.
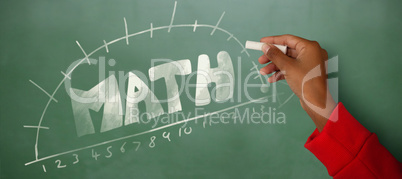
(165, 89)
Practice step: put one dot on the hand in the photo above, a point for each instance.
(304, 69)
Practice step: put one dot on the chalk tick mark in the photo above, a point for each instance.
(51, 97)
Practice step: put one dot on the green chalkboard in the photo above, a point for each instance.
(166, 89)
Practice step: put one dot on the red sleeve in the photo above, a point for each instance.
(349, 150)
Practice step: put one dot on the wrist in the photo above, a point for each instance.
(320, 117)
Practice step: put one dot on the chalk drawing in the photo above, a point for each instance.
(189, 131)
(195, 26)
(223, 76)
(67, 76)
(185, 130)
(76, 159)
(154, 109)
(138, 145)
(219, 21)
(166, 136)
(95, 155)
(35, 127)
(151, 30)
(152, 143)
(83, 51)
(105, 45)
(149, 131)
(172, 19)
(168, 71)
(59, 165)
(51, 96)
(110, 153)
(125, 27)
(92, 99)
(122, 147)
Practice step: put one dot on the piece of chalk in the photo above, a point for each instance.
(258, 46)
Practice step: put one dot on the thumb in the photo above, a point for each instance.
(276, 56)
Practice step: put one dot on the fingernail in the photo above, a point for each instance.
(262, 73)
(265, 48)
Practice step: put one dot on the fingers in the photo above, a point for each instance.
(276, 56)
(292, 53)
(291, 41)
(270, 68)
(263, 59)
(324, 54)
(276, 77)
